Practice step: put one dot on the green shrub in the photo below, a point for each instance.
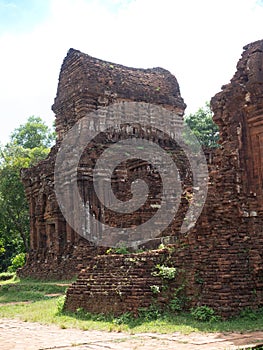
(125, 318)
(60, 304)
(204, 314)
(176, 304)
(155, 289)
(249, 314)
(179, 300)
(150, 313)
(18, 261)
(165, 272)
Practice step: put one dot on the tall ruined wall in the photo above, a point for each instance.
(85, 85)
(238, 112)
(220, 260)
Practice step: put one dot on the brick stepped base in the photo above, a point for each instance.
(118, 284)
(227, 277)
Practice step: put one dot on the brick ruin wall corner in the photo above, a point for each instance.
(221, 258)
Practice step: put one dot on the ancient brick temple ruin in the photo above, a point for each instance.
(87, 84)
(219, 262)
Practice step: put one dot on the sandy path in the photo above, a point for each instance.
(18, 335)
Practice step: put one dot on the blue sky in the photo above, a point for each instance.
(22, 15)
(198, 41)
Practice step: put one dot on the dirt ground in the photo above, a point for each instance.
(18, 335)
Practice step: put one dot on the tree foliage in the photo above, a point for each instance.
(203, 127)
(14, 214)
(33, 134)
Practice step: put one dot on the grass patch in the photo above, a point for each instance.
(49, 311)
(7, 277)
(16, 290)
(46, 312)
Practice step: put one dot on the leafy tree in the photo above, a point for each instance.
(33, 134)
(14, 213)
(203, 126)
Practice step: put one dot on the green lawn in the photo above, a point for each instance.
(29, 291)
(36, 301)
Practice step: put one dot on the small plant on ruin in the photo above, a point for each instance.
(198, 278)
(175, 304)
(140, 250)
(188, 196)
(155, 289)
(204, 314)
(118, 250)
(179, 300)
(165, 272)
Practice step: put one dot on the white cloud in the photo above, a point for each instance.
(198, 41)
